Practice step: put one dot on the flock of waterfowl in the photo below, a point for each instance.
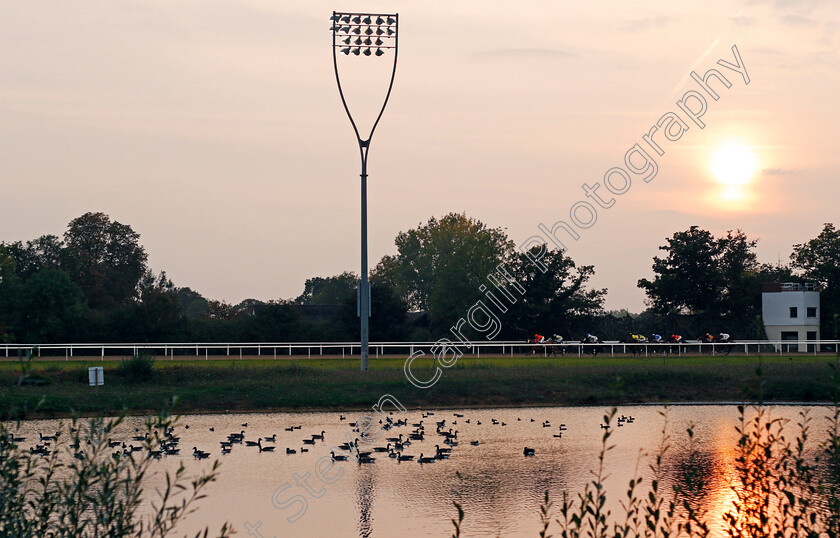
(395, 446)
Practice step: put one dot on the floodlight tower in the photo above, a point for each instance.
(364, 34)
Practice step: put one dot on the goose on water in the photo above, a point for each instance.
(528, 451)
(290, 451)
(316, 436)
(309, 441)
(400, 457)
(338, 458)
(421, 459)
(266, 448)
(271, 439)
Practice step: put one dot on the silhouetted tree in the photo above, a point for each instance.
(553, 298)
(441, 264)
(51, 307)
(688, 279)
(819, 261)
(41, 253)
(10, 289)
(331, 290)
(104, 258)
(387, 318)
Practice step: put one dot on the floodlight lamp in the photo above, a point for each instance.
(345, 26)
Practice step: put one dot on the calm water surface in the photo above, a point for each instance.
(499, 488)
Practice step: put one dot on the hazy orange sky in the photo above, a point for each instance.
(215, 128)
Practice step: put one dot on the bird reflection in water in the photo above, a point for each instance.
(364, 499)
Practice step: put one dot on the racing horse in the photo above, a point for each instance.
(636, 339)
(548, 347)
(724, 346)
(555, 347)
(535, 349)
(593, 349)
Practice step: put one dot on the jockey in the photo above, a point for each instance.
(724, 337)
(709, 338)
(638, 338)
(591, 338)
(557, 338)
(676, 338)
(540, 339)
(656, 338)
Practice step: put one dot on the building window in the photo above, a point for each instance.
(794, 312)
(811, 312)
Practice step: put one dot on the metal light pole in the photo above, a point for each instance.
(364, 34)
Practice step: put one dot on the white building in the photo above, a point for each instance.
(791, 311)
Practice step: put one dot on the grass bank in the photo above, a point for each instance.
(337, 384)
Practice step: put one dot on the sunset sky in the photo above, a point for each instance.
(216, 131)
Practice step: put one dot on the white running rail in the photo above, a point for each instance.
(492, 348)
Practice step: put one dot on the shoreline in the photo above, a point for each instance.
(410, 409)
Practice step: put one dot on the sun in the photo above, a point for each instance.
(733, 164)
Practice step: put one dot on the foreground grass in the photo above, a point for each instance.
(337, 384)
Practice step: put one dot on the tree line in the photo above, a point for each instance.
(93, 284)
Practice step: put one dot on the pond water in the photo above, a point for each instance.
(499, 488)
